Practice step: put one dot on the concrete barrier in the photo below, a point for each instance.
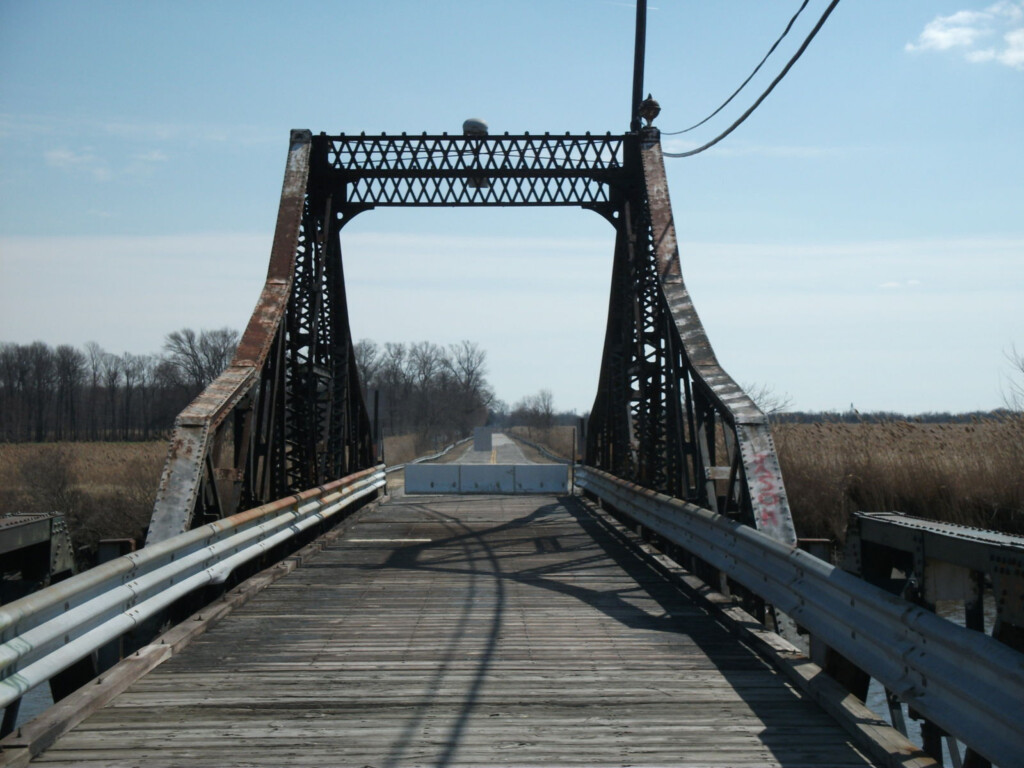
(482, 438)
(432, 478)
(542, 478)
(486, 478)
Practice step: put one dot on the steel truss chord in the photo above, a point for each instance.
(288, 413)
(684, 427)
(436, 154)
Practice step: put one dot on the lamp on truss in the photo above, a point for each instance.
(649, 109)
(474, 126)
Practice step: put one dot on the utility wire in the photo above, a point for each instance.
(749, 78)
(764, 95)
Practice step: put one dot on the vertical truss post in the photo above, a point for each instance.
(288, 413)
(663, 400)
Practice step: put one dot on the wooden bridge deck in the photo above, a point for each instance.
(464, 631)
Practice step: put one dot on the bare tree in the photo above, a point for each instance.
(1013, 395)
(200, 357)
(217, 347)
(132, 367)
(534, 411)
(94, 357)
(13, 384)
(367, 361)
(70, 369)
(41, 367)
(110, 372)
(546, 409)
(468, 365)
(148, 365)
(768, 399)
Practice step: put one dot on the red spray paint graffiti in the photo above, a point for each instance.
(768, 498)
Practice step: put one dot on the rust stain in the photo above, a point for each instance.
(665, 245)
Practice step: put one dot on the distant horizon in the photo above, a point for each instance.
(783, 415)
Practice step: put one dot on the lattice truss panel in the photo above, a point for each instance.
(288, 413)
(473, 170)
(666, 415)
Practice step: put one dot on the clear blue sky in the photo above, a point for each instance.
(859, 240)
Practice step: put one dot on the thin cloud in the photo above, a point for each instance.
(85, 161)
(153, 156)
(995, 34)
(150, 132)
(898, 284)
(88, 161)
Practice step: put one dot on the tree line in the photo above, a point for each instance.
(436, 392)
(439, 393)
(63, 393)
(67, 394)
(534, 412)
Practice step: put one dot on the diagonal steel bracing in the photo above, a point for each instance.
(667, 416)
(288, 413)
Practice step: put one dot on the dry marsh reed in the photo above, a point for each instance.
(966, 473)
(105, 490)
(400, 449)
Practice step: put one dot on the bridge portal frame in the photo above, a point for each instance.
(288, 413)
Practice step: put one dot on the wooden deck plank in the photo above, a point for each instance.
(507, 631)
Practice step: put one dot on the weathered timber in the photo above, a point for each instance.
(465, 631)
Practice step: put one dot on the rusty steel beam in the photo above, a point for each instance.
(667, 416)
(255, 434)
(750, 458)
(288, 412)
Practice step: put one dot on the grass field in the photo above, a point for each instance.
(971, 474)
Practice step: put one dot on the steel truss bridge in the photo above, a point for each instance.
(281, 446)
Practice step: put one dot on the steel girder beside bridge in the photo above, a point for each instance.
(288, 413)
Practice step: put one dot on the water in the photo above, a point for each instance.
(34, 703)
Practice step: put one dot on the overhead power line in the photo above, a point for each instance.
(749, 77)
(763, 96)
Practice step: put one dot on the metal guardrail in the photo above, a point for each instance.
(967, 683)
(48, 631)
(542, 450)
(429, 457)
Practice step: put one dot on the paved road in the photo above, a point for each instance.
(505, 451)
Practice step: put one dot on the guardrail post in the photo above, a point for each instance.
(10, 717)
